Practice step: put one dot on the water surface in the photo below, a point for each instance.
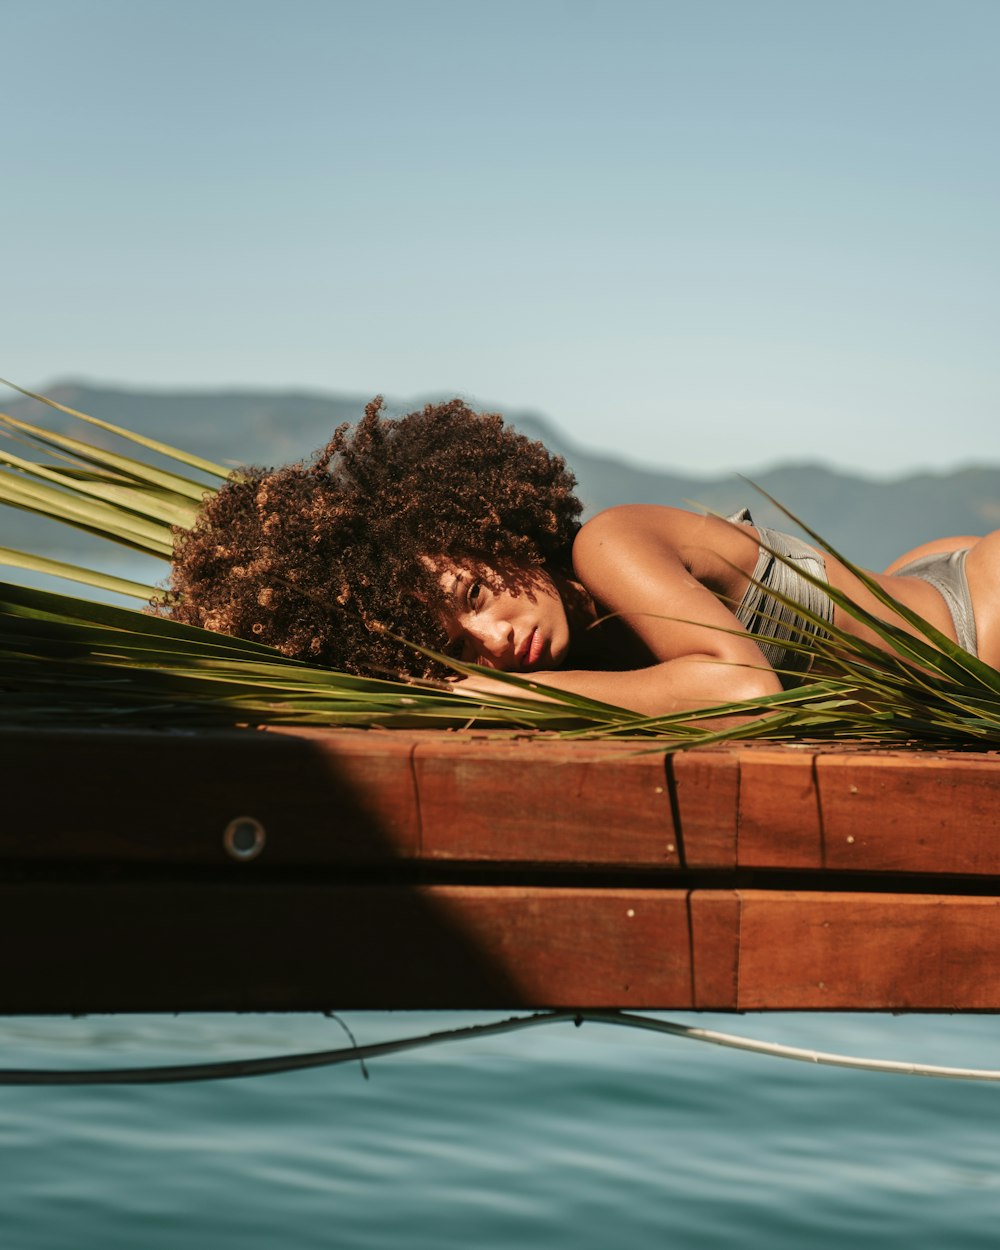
(555, 1137)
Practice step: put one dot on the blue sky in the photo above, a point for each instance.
(705, 235)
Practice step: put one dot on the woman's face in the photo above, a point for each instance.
(516, 623)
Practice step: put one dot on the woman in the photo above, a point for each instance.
(446, 529)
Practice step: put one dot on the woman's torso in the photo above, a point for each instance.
(722, 557)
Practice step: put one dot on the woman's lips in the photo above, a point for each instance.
(531, 649)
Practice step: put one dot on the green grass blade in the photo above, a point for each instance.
(76, 573)
(90, 453)
(164, 449)
(93, 516)
(139, 503)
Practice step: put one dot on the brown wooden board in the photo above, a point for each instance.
(618, 877)
(334, 797)
(167, 797)
(810, 951)
(896, 811)
(779, 813)
(911, 813)
(351, 797)
(706, 788)
(715, 949)
(538, 801)
(142, 946)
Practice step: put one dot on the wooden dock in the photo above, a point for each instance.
(246, 870)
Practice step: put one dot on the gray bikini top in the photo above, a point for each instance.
(772, 622)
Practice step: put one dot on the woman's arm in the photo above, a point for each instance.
(681, 685)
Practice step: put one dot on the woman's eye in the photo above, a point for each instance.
(475, 590)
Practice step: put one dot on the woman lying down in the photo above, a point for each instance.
(448, 529)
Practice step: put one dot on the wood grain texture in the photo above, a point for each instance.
(911, 812)
(780, 824)
(706, 786)
(810, 951)
(166, 797)
(534, 801)
(201, 947)
(351, 797)
(715, 949)
(608, 863)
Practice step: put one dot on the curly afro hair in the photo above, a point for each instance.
(325, 560)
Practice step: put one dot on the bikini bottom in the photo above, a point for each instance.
(946, 573)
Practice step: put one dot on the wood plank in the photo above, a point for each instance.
(351, 797)
(182, 946)
(715, 948)
(811, 951)
(779, 817)
(150, 923)
(912, 812)
(168, 797)
(706, 786)
(213, 946)
(541, 801)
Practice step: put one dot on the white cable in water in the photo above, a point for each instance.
(235, 1068)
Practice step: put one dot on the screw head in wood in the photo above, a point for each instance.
(244, 838)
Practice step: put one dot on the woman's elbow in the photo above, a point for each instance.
(708, 683)
(746, 685)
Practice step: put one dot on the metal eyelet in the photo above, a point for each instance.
(244, 838)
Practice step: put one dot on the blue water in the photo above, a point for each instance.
(557, 1137)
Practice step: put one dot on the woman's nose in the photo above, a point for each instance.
(495, 639)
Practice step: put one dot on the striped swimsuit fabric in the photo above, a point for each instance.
(774, 624)
(946, 573)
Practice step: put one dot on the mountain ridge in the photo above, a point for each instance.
(871, 520)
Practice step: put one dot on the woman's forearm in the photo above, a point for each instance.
(680, 685)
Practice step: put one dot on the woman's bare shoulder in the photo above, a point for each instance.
(633, 538)
(630, 520)
(654, 525)
(655, 568)
(612, 540)
(639, 542)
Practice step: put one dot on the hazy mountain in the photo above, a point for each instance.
(871, 521)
